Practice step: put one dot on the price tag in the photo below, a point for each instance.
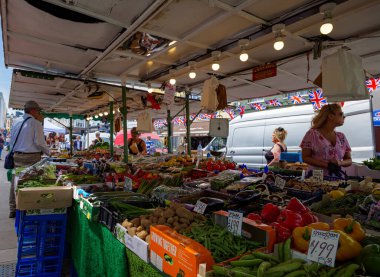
(235, 222)
(322, 247)
(318, 175)
(200, 207)
(127, 184)
(279, 182)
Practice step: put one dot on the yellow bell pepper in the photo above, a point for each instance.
(351, 227)
(348, 248)
(336, 194)
(320, 226)
(301, 238)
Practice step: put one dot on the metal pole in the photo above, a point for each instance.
(124, 112)
(170, 133)
(71, 135)
(372, 126)
(110, 117)
(188, 138)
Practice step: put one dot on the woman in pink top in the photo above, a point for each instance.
(324, 148)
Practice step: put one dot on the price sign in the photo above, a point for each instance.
(127, 184)
(235, 222)
(318, 175)
(279, 182)
(200, 207)
(322, 247)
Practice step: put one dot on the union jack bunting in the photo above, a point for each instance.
(159, 123)
(257, 106)
(230, 112)
(274, 102)
(372, 84)
(317, 99)
(297, 99)
(241, 110)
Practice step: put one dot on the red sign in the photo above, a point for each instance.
(264, 71)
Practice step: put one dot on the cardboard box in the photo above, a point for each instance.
(250, 229)
(177, 255)
(44, 198)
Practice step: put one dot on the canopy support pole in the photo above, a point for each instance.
(188, 123)
(71, 136)
(170, 133)
(111, 118)
(124, 112)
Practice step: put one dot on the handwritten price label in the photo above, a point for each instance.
(200, 207)
(235, 222)
(322, 247)
(127, 184)
(318, 175)
(279, 182)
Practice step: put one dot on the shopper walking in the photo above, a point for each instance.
(30, 143)
(2, 141)
(323, 147)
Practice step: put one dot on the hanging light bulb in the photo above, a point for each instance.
(192, 73)
(100, 114)
(243, 43)
(172, 80)
(326, 10)
(105, 113)
(96, 116)
(91, 118)
(113, 112)
(215, 65)
(150, 89)
(279, 44)
(278, 31)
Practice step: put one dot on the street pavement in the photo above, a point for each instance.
(8, 238)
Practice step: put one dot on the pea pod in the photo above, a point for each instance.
(287, 254)
(280, 250)
(297, 273)
(350, 270)
(273, 274)
(221, 271)
(247, 257)
(262, 268)
(286, 267)
(240, 273)
(265, 257)
(248, 263)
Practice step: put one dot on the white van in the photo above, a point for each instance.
(251, 136)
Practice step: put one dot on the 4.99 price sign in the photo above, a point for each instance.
(235, 222)
(322, 247)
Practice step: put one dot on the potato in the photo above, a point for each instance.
(161, 220)
(145, 222)
(184, 220)
(176, 218)
(177, 228)
(132, 231)
(157, 212)
(170, 220)
(127, 224)
(169, 213)
(183, 226)
(136, 222)
(139, 229)
(154, 219)
(184, 213)
(147, 238)
(142, 235)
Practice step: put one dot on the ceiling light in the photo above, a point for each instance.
(172, 42)
(278, 31)
(326, 10)
(91, 118)
(113, 112)
(243, 43)
(105, 113)
(100, 114)
(192, 73)
(172, 80)
(279, 44)
(96, 116)
(215, 65)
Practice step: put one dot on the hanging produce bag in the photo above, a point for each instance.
(209, 101)
(144, 122)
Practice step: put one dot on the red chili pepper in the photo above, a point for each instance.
(255, 217)
(290, 219)
(296, 206)
(282, 232)
(309, 218)
(270, 213)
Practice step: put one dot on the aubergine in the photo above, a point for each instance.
(213, 204)
(247, 195)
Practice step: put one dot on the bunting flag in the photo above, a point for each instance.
(257, 106)
(274, 102)
(230, 112)
(372, 84)
(241, 110)
(297, 99)
(159, 123)
(317, 99)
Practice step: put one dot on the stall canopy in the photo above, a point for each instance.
(51, 127)
(149, 41)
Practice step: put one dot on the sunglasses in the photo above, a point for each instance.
(280, 129)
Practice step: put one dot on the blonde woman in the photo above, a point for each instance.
(278, 137)
(323, 147)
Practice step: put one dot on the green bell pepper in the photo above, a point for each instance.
(370, 259)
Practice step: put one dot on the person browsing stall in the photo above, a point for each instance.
(98, 138)
(30, 143)
(135, 144)
(278, 137)
(78, 144)
(323, 147)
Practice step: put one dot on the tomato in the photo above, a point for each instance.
(216, 167)
(231, 166)
(210, 168)
(223, 167)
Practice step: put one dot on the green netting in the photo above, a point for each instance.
(94, 250)
(138, 267)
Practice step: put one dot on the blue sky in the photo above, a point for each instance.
(5, 75)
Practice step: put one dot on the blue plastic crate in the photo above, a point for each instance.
(291, 157)
(41, 244)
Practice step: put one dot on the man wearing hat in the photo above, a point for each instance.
(30, 143)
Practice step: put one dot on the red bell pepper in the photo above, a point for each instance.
(296, 206)
(255, 217)
(282, 232)
(309, 218)
(270, 213)
(290, 219)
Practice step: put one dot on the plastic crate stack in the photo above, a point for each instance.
(41, 244)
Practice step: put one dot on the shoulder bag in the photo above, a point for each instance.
(9, 162)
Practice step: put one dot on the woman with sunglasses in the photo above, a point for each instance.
(323, 147)
(278, 137)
